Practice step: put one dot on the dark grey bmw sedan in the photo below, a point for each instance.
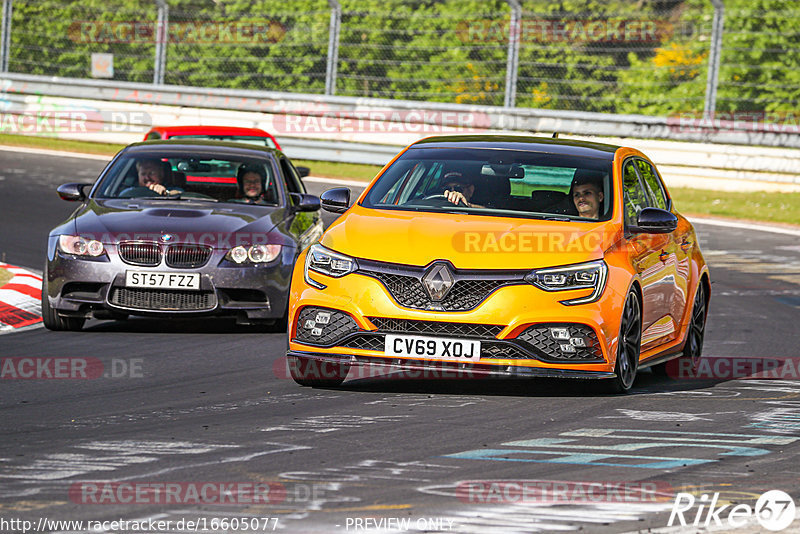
(180, 229)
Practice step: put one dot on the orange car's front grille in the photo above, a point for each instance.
(412, 326)
(465, 294)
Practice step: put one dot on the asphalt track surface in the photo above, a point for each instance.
(200, 401)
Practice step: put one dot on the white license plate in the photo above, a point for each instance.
(441, 348)
(162, 280)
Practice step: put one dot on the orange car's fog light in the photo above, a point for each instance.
(575, 342)
(323, 326)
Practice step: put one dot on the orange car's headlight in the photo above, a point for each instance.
(589, 275)
(323, 260)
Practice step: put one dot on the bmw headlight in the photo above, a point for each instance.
(327, 262)
(590, 275)
(253, 253)
(80, 246)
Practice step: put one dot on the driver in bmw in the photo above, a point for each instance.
(458, 189)
(151, 175)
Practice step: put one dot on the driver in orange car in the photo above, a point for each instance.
(459, 189)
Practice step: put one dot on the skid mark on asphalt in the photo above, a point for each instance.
(49, 472)
(429, 401)
(524, 518)
(646, 415)
(102, 456)
(539, 517)
(372, 470)
(780, 418)
(174, 413)
(332, 423)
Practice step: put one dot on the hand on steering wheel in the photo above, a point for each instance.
(157, 188)
(457, 198)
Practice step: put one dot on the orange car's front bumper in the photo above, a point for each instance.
(512, 310)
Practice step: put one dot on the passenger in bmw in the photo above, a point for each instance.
(251, 181)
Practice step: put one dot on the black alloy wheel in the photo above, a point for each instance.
(628, 346)
(693, 350)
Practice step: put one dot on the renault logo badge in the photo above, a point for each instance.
(438, 281)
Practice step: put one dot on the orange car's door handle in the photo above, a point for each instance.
(663, 256)
(686, 245)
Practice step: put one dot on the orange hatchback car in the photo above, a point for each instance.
(506, 256)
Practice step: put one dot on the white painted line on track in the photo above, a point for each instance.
(62, 153)
(745, 226)
(336, 181)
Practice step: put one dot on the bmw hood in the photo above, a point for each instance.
(468, 241)
(216, 224)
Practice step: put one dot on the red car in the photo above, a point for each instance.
(250, 136)
(253, 136)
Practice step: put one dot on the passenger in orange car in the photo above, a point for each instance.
(459, 189)
(587, 194)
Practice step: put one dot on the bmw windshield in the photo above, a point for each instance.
(209, 177)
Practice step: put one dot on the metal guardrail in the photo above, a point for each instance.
(738, 130)
(681, 162)
(338, 151)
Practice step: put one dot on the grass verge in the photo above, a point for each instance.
(755, 206)
(51, 143)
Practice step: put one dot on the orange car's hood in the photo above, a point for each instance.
(468, 241)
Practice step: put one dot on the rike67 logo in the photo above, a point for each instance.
(774, 510)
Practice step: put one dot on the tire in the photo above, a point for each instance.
(693, 349)
(50, 317)
(628, 347)
(316, 373)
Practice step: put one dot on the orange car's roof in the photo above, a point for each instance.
(519, 142)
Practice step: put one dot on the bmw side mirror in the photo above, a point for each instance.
(656, 221)
(303, 171)
(72, 192)
(336, 200)
(304, 202)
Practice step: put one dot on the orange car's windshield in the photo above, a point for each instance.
(496, 182)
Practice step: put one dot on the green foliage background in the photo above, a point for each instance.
(423, 50)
